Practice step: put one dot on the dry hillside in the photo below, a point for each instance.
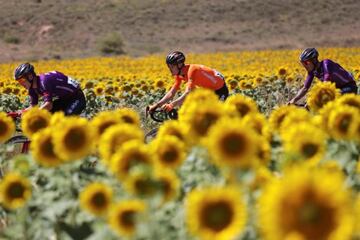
(38, 29)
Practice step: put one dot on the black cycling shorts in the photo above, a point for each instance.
(351, 88)
(222, 93)
(70, 106)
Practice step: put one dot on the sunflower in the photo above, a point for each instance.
(168, 151)
(200, 119)
(96, 198)
(230, 143)
(141, 184)
(159, 84)
(323, 115)
(263, 150)
(33, 120)
(244, 85)
(15, 191)
(99, 89)
(351, 100)
(262, 176)
(168, 183)
(304, 142)
(131, 154)
(199, 97)
(233, 84)
(308, 202)
(243, 105)
(344, 122)
(282, 71)
(113, 138)
(103, 121)
(57, 118)
(320, 94)
(128, 115)
(125, 215)
(75, 140)
(7, 127)
(42, 148)
(278, 115)
(294, 117)
(258, 123)
(89, 84)
(173, 128)
(215, 213)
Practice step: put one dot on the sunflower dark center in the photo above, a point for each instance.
(37, 123)
(105, 125)
(204, 123)
(135, 159)
(170, 156)
(353, 103)
(176, 133)
(99, 200)
(127, 119)
(309, 149)
(75, 139)
(3, 128)
(242, 108)
(47, 148)
(312, 217)
(127, 218)
(16, 190)
(144, 187)
(165, 186)
(233, 144)
(344, 123)
(324, 97)
(217, 215)
(280, 119)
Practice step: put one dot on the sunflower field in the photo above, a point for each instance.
(248, 168)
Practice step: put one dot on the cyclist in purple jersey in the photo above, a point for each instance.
(326, 70)
(59, 92)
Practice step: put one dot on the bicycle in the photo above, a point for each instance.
(18, 139)
(159, 116)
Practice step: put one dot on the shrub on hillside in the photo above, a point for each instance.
(112, 44)
(11, 39)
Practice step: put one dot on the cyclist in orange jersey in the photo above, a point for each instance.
(194, 75)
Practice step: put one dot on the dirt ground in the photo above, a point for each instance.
(46, 29)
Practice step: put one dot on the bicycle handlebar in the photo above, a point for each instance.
(161, 115)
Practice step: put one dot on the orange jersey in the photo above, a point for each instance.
(200, 75)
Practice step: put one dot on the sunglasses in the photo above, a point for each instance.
(306, 62)
(21, 80)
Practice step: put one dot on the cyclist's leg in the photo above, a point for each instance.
(222, 93)
(76, 105)
(58, 105)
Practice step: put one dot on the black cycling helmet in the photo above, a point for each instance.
(309, 53)
(22, 70)
(175, 58)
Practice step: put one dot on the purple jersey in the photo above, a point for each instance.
(53, 84)
(330, 71)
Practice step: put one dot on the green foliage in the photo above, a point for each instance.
(11, 39)
(112, 44)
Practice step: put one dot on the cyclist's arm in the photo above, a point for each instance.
(301, 93)
(179, 101)
(48, 96)
(47, 105)
(168, 96)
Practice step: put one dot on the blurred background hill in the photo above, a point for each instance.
(46, 29)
